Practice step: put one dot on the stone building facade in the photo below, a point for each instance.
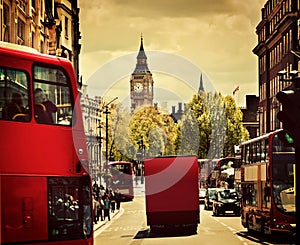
(277, 50)
(49, 26)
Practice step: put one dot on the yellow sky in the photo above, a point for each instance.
(215, 36)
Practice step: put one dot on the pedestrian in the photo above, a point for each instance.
(101, 208)
(107, 207)
(96, 190)
(112, 201)
(102, 192)
(95, 209)
(118, 199)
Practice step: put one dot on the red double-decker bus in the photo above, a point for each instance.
(214, 171)
(45, 188)
(268, 202)
(122, 178)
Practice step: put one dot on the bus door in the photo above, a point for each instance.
(24, 209)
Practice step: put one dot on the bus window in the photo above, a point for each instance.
(52, 96)
(247, 154)
(14, 95)
(249, 194)
(267, 149)
(263, 151)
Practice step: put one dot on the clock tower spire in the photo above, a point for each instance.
(141, 81)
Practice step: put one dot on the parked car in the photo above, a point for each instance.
(202, 193)
(226, 201)
(210, 192)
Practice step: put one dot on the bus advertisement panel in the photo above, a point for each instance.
(45, 188)
(268, 202)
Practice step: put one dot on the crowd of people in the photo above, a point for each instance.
(104, 202)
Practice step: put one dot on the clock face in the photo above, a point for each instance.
(138, 87)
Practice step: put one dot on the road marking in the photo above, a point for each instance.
(208, 231)
(234, 231)
(231, 229)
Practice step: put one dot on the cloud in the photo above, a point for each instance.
(218, 36)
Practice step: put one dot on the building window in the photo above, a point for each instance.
(22, 5)
(33, 4)
(6, 23)
(66, 27)
(32, 39)
(41, 47)
(21, 31)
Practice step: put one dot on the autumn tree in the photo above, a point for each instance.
(155, 128)
(235, 131)
(219, 124)
(120, 148)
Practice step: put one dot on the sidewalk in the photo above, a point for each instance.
(139, 190)
(102, 223)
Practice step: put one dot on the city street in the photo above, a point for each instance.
(129, 227)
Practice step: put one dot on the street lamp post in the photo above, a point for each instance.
(100, 151)
(142, 160)
(106, 112)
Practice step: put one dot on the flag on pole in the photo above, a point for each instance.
(236, 89)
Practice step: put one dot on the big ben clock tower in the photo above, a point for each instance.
(141, 82)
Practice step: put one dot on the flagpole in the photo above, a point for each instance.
(237, 99)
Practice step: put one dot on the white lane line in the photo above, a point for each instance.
(234, 231)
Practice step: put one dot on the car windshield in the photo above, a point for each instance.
(212, 193)
(226, 194)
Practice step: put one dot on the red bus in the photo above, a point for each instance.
(45, 188)
(122, 178)
(214, 171)
(172, 194)
(268, 202)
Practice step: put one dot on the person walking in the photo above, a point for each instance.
(101, 208)
(112, 201)
(118, 199)
(95, 209)
(107, 207)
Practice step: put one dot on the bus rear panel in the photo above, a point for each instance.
(122, 179)
(172, 199)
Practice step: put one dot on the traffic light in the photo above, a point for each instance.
(290, 114)
(286, 139)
